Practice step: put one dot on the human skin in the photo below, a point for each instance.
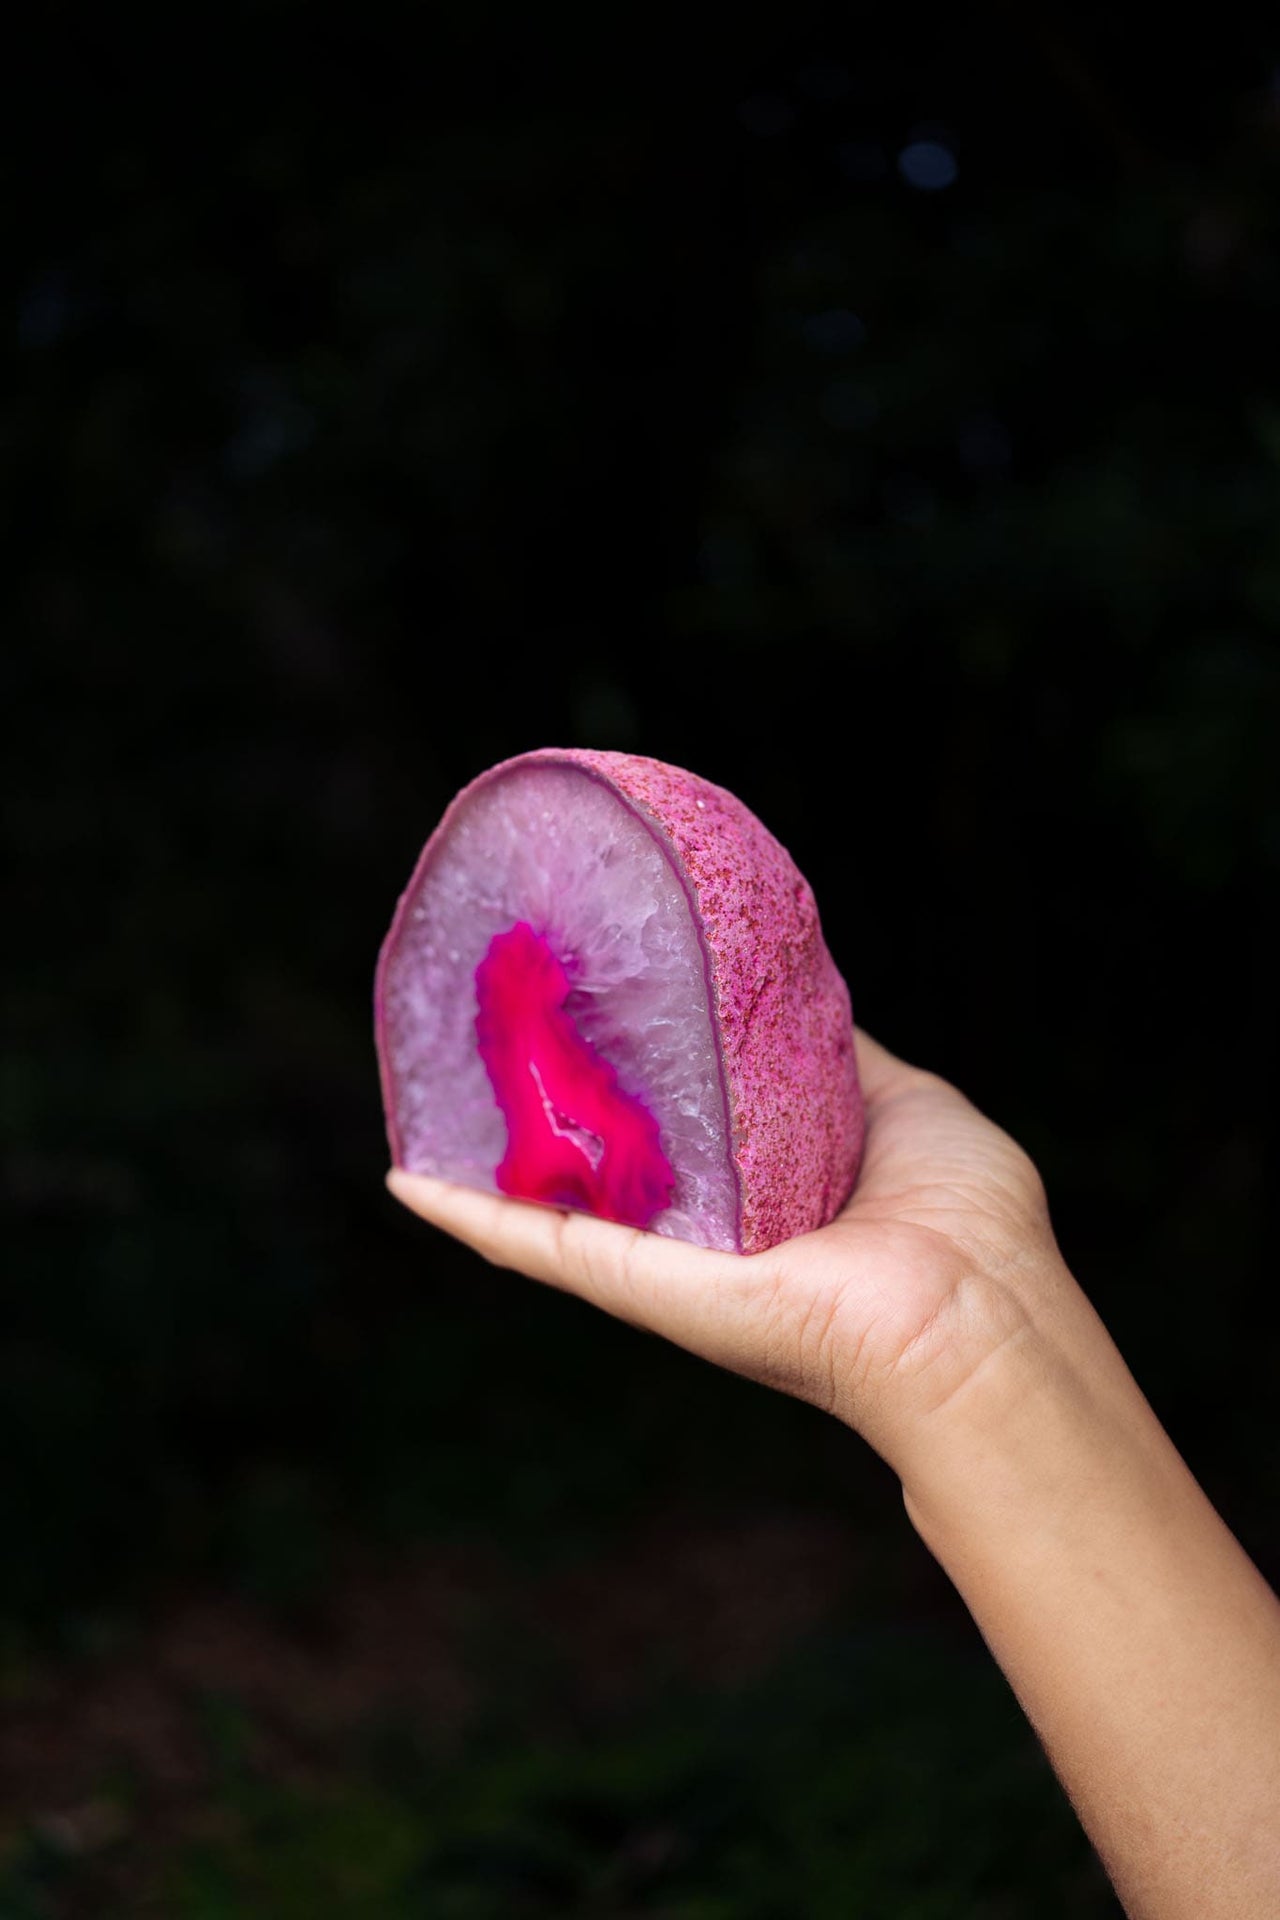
(937, 1318)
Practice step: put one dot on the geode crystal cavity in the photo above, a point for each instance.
(606, 987)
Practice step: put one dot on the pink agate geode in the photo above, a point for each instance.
(606, 987)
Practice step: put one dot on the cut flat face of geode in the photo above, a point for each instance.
(606, 987)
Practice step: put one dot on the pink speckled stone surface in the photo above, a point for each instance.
(780, 1007)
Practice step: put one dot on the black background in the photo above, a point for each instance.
(397, 392)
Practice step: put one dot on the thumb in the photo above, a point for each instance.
(700, 1299)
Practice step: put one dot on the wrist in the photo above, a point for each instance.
(1137, 1635)
(1046, 1434)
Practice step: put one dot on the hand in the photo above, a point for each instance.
(936, 1316)
(942, 1256)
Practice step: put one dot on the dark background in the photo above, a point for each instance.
(877, 413)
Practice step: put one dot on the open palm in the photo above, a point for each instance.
(881, 1317)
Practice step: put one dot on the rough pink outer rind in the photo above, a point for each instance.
(781, 1009)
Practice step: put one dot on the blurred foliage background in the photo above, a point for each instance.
(875, 411)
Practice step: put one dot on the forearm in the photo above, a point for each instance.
(1142, 1643)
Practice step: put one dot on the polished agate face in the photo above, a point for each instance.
(575, 1136)
(606, 988)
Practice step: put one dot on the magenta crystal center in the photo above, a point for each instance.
(574, 1137)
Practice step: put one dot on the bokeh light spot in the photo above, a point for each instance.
(825, 80)
(927, 165)
(984, 444)
(765, 114)
(835, 331)
(847, 405)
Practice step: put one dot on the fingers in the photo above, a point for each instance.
(881, 1073)
(665, 1286)
(915, 1119)
(701, 1299)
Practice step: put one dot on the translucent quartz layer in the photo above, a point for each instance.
(552, 847)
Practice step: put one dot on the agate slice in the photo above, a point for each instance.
(606, 987)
